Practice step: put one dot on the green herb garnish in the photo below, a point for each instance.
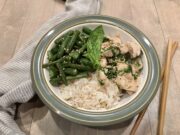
(94, 46)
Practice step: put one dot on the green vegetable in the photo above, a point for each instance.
(57, 81)
(111, 73)
(70, 71)
(63, 46)
(55, 49)
(135, 76)
(83, 37)
(50, 56)
(53, 71)
(128, 69)
(67, 58)
(137, 64)
(111, 62)
(115, 51)
(75, 54)
(77, 66)
(94, 46)
(60, 39)
(85, 61)
(86, 30)
(79, 43)
(61, 73)
(72, 41)
(80, 75)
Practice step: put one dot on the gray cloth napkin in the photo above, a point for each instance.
(15, 79)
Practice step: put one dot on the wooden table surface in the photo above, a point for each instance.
(158, 19)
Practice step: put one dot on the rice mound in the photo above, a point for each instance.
(87, 93)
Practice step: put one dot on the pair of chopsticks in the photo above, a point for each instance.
(165, 72)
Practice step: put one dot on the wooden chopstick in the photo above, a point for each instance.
(174, 47)
(165, 85)
(137, 122)
(141, 114)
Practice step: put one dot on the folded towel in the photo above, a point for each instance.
(15, 79)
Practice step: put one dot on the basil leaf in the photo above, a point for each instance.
(94, 46)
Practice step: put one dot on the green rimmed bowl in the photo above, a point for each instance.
(128, 107)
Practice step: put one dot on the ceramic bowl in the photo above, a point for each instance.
(128, 107)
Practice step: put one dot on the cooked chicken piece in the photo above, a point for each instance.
(130, 92)
(116, 39)
(103, 62)
(108, 53)
(137, 66)
(101, 75)
(123, 48)
(121, 66)
(134, 49)
(127, 82)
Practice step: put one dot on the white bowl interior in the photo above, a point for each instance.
(110, 30)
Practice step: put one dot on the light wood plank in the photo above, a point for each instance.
(2, 4)
(12, 18)
(169, 19)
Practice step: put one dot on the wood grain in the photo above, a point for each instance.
(158, 19)
(12, 17)
(169, 19)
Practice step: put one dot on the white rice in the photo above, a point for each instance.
(87, 93)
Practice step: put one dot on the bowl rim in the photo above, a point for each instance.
(94, 118)
(79, 109)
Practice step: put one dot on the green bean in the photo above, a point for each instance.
(75, 54)
(80, 75)
(85, 61)
(67, 58)
(86, 30)
(77, 66)
(60, 39)
(76, 47)
(70, 71)
(82, 49)
(63, 46)
(83, 37)
(55, 49)
(79, 43)
(53, 71)
(50, 55)
(55, 81)
(72, 41)
(62, 75)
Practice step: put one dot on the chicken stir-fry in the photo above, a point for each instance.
(120, 64)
